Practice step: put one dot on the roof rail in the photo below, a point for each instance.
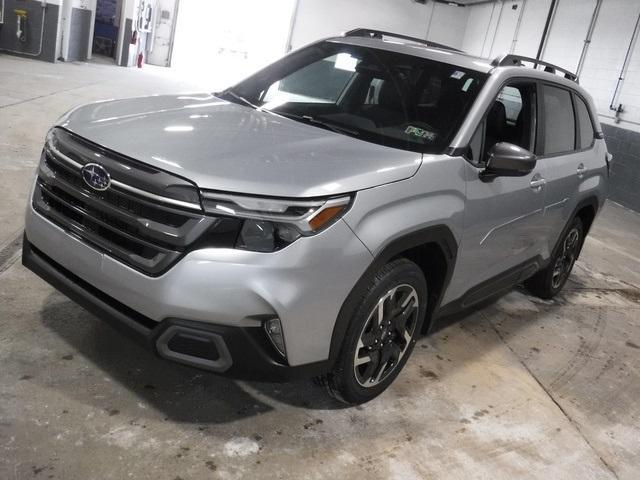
(510, 60)
(371, 33)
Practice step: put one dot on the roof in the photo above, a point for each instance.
(434, 51)
(407, 47)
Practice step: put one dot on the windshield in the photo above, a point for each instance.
(384, 97)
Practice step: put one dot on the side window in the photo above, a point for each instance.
(512, 101)
(559, 122)
(584, 122)
(512, 117)
(373, 92)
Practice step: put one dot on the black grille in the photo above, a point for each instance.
(140, 227)
(123, 202)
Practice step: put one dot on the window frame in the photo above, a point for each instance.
(575, 98)
(482, 123)
(541, 133)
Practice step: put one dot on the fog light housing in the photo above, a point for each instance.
(273, 328)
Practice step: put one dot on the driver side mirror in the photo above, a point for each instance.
(509, 160)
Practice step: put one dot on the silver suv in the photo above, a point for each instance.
(316, 218)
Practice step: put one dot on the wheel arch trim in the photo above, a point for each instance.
(590, 201)
(439, 235)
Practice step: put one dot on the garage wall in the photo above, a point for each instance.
(77, 28)
(220, 42)
(568, 32)
(31, 47)
(447, 24)
(491, 30)
(316, 19)
(611, 38)
(126, 52)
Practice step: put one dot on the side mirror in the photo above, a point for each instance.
(509, 160)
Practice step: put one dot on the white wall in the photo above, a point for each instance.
(447, 24)
(480, 22)
(66, 7)
(568, 31)
(486, 29)
(533, 20)
(491, 27)
(490, 30)
(212, 38)
(222, 42)
(316, 19)
(606, 55)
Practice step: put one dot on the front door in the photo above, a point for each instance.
(503, 215)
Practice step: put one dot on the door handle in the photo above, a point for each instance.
(580, 170)
(537, 184)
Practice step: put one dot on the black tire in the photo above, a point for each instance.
(549, 281)
(402, 289)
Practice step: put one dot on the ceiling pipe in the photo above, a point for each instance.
(547, 27)
(625, 65)
(486, 34)
(587, 40)
(517, 30)
(495, 32)
(292, 25)
(459, 4)
(431, 15)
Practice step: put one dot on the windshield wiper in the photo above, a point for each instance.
(322, 123)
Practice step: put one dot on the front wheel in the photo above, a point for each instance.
(548, 282)
(381, 334)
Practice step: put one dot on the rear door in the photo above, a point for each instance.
(565, 144)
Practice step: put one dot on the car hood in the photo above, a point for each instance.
(229, 147)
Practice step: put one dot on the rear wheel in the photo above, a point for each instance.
(548, 282)
(381, 334)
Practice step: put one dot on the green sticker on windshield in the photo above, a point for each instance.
(421, 133)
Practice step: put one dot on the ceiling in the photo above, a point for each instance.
(471, 2)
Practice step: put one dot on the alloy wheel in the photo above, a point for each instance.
(386, 335)
(566, 259)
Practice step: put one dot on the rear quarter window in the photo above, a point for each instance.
(587, 134)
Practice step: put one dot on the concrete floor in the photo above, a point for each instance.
(523, 388)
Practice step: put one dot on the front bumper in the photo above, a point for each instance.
(226, 292)
(239, 352)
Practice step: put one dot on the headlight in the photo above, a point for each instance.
(272, 224)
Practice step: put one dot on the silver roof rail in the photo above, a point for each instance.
(371, 33)
(510, 60)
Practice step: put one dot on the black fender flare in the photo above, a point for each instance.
(591, 201)
(440, 235)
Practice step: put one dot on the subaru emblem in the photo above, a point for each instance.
(96, 176)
